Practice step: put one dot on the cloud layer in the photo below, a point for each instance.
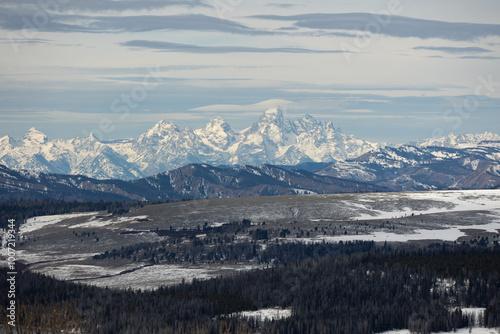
(396, 26)
(190, 48)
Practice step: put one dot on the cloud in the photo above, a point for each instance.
(358, 111)
(282, 5)
(191, 48)
(15, 41)
(101, 5)
(260, 106)
(452, 50)
(63, 116)
(396, 26)
(295, 107)
(53, 22)
(480, 57)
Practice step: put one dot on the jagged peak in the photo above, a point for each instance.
(161, 129)
(308, 118)
(216, 124)
(273, 111)
(217, 120)
(463, 140)
(93, 137)
(6, 139)
(330, 125)
(165, 124)
(35, 136)
(187, 129)
(270, 116)
(305, 123)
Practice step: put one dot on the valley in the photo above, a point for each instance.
(181, 241)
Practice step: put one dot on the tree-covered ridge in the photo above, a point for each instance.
(349, 291)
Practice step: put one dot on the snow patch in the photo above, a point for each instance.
(99, 222)
(275, 313)
(36, 223)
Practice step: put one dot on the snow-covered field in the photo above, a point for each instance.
(26, 256)
(455, 200)
(275, 313)
(451, 233)
(101, 222)
(151, 277)
(36, 223)
(65, 244)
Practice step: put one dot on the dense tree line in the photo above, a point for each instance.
(351, 290)
(224, 250)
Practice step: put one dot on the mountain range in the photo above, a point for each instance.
(275, 156)
(406, 168)
(189, 182)
(272, 139)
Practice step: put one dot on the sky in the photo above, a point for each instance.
(385, 71)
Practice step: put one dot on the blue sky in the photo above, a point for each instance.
(392, 70)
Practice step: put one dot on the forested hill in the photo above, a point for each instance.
(354, 288)
(188, 182)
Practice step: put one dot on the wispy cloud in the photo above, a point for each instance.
(480, 57)
(25, 41)
(358, 111)
(282, 5)
(16, 20)
(260, 106)
(399, 26)
(191, 48)
(296, 107)
(453, 50)
(101, 5)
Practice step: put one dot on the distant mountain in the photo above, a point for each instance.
(424, 168)
(273, 139)
(404, 168)
(29, 185)
(190, 181)
(462, 141)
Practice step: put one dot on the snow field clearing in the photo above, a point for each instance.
(446, 215)
(275, 313)
(460, 200)
(152, 277)
(83, 272)
(36, 223)
(98, 222)
(451, 233)
(47, 256)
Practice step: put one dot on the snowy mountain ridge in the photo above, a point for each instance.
(273, 139)
(462, 141)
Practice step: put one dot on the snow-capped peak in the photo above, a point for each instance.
(161, 129)
(33, 136)
(6, 140)
(218, 124)
(271, 120)
(272, 139)
(217, 133)
(460, 141)
(308, 119)
(273, 111)
(272, 115)
(92, 137)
